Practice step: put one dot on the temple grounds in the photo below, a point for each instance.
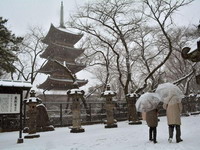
(96, 137)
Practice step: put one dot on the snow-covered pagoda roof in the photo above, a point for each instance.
(51, 67)
(60, 84)
(61, 51)
(58, 35)
(12, 83)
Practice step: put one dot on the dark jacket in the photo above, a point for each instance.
(152, 118)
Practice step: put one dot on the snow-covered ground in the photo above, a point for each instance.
(96, 137)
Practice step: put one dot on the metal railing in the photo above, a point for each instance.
(60, 113)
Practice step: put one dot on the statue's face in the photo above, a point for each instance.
(32, 107)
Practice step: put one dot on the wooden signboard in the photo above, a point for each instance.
(9, 103)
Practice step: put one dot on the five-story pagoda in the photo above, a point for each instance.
(61, 57)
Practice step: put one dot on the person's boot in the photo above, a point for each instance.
(154, 136)
(171, 131)
(178, 134)
(179, 140)
(150, 134)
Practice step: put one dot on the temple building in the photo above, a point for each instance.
(61, 57)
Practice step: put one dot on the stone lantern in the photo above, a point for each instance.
(132, 113)
(32, 114)
(185, 102)
(76, 95)
(198, 100)
(109, 106)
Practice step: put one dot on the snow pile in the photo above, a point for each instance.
(75, 91)
(108, 93)
(33, 100)
(96, 137)
(198, 95)
(132, 95)
(11, 83)
(193, 45)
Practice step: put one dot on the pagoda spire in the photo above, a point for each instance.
(62, 16)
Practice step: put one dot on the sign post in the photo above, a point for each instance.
(11, 98)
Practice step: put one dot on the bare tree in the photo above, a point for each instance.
(99, 55)
(179, 70)
(112, 23)
(161, 11)
(29, 60)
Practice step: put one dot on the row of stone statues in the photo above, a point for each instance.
(38, 119)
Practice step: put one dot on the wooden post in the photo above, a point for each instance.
(24, 105)
(20, 139)
(90, 108)
(61, 122)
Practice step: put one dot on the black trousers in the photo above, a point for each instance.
(178, 131)
(152, 133)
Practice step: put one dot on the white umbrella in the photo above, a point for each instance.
(147, 102)
(169, 93)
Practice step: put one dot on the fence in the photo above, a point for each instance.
(60, 113)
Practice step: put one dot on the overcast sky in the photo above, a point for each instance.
(25, 13)
(22, 14)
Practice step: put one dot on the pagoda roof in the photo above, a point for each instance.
(61, 51)
(60, 84)
(58, 35)
(51, 67)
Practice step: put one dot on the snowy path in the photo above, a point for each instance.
(96, 137)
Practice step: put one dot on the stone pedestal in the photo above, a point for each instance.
(20, 140)
(76, 116)
(110, 122)
(32, 114)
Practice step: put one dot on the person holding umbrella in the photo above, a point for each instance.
(148, 102)
(173, 111)
(171, 96)
(152, 122)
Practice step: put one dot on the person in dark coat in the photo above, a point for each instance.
(152, 122)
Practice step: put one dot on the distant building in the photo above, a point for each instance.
(61, 65)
